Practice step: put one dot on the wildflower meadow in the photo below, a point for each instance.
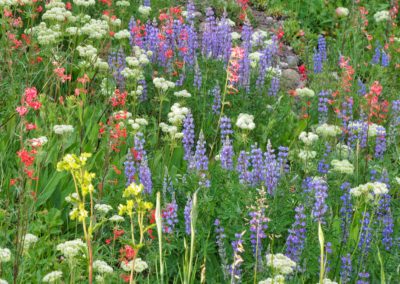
(191, 141)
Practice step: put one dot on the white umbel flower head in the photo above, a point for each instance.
(71, 249)
(278, 279)
(328, 281)
(122, 34)
(306, 155)
(2, 281)
(245, 121)
(62, 129)
(84, 3)
(29, 240)
(164, 85)
(382, 16)
(342, 12)
(102, 267)
(308, 138)
(342, 166)
(116, 218)
(327, 130)
(52, 276)
(138, 265)
(280, 263)
(144, 10)
(369, 190)
(305, 93)
(183, 94)
(103, 208)
(5, 255)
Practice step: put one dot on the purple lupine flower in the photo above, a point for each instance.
(363, 278)
(387, 231)
(323, 164)
(201, 161)
(146, 3)
(328, 250)
(274, 88)
(380, 145)
(197, 77)
(323, 100)
(191, 9)
(346, 269)
(297, 235)
(139, 146)
(130, 169)
(256, 158)
(242, 168)
(226, 156)
(317, 62)
(216, 92)
(385, 59)
(143, 95)
(170, 217)
(362, 91)
(192, 45)
(151, 39)
(271, 170)
(320, 188)
(116, 61)
(365, 235)
(226, 128)
(200, 156)
(377, 55)
(145, 177)
(187, 214)
(167, 185)
(394, 121)
(258, 225)
(235, 270)
(188, 136)
(346, 211)
(245, 67)
(224, 39)
(209, 36)
(264, 63)
(219, 230)
(283, 166)
(322, 47)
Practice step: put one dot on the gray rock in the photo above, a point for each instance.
(293, 61)
(290, 79)
(269, 20)
(283, 65)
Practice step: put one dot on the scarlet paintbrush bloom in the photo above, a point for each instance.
(119, 99)
(27, 158)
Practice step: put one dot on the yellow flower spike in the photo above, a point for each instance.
(148, 205)
(129, 207)
(121, 209)
(74, 213)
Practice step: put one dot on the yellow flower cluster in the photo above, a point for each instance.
(134, 190)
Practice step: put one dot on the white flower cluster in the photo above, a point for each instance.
(102, 267)
(278, 279)
(397, 180)
(137, 123)
(382, 16)
(182, 94)
(2, 281)
(71, 249)
(328, 130)
(342, 12)
(177, 114)
(280, 263)
(235, 36)
(116, 218)
(305, 93)
(369, 190)
(255, 58)
(87, 51)
(306, 155)
(164, 85)
(45, 35)
(172, 130)
(144, 10)
(5, 255)
(342, 166)
(29, 240)
(84, 3)
(138, 265)
(52, 277)
(122, 3)
(56, 11)
(103, 208)
(73, 197)
(37, 142)
(308, 138)
(122, 34)
(135, 63)
(63, 129)
(245, 121)
(95, 29)
(328, 281)
(259, 37)
(344, 150)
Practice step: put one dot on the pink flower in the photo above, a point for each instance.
(22, 110)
